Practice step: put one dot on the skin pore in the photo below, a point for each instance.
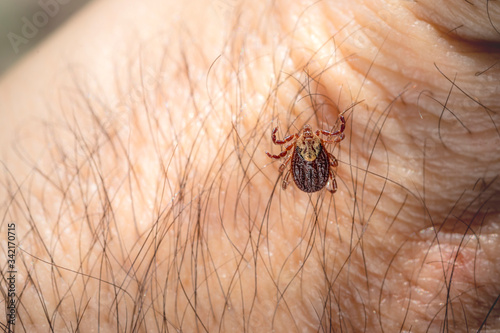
(134, 168)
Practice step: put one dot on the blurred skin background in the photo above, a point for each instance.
(24, 23)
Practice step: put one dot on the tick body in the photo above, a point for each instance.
(310, 175)
(311, 164)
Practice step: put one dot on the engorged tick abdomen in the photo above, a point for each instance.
(310, 176)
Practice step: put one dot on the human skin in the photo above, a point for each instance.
(134, 168)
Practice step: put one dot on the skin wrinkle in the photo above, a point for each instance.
(469, 20)
(181, 216)
(454, 168)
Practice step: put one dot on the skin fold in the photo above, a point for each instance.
(133, 166)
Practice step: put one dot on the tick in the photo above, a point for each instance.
(311, 164)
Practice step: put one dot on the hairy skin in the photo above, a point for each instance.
(133, 166)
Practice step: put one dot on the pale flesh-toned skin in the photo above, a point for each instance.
(134, 168)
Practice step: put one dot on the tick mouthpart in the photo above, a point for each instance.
(307, 128)
(307, 131)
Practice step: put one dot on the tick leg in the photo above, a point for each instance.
(285, 180)
(277, 157)
(333, 183)
(333, 188)
(283, 166)
(285, 140)
(333, 160)
(283, 153)
(337, 139)
(341, 130)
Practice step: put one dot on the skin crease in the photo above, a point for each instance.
(134, 168)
